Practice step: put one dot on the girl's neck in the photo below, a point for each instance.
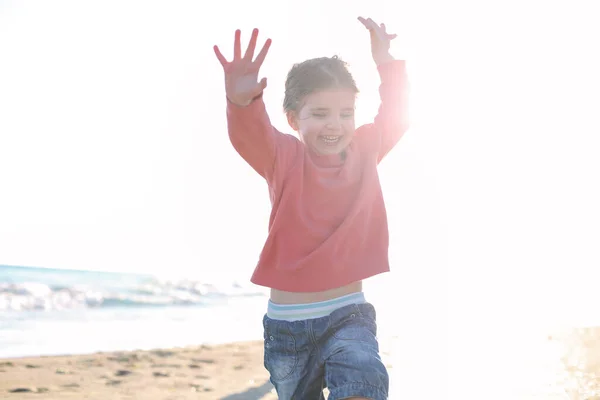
(328, 160)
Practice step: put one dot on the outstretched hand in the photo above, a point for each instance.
(241, 74)
(380, 40)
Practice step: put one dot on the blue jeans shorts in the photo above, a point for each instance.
(339, 351)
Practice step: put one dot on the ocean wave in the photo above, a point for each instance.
(151, 293)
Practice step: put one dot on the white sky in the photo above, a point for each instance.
(114, 153)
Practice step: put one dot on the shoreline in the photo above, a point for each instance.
(148, 349)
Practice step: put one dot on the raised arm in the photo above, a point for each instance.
(392, 119)
(250, 129)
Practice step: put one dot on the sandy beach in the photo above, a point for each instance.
(235, 371)
(228, 372)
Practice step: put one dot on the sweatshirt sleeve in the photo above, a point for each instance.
(254, 138)
(392, 119)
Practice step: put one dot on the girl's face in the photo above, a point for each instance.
(325, 120)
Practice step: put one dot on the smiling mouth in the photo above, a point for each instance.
(330, 140)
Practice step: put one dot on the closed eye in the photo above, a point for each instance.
(323, 114)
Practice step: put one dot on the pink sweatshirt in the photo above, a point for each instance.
(328, 224)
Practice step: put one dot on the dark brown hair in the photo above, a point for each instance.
(313, 75)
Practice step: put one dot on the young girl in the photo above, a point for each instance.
(328, 226)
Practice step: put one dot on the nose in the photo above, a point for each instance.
(334, 123)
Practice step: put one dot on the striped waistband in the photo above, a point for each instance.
(295, 312)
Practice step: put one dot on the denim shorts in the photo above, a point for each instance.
(339, 351)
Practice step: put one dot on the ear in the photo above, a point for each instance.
(293, 120)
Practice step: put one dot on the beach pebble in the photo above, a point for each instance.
(71, 385)
(161, 374)
(163, 353)
(123, 372)
(113, 382)
(29, 390)
(92, 362)
(203, 360)
(194, 366)
(22, 390)
(166, 366)
(61, 371)
(120, 359)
